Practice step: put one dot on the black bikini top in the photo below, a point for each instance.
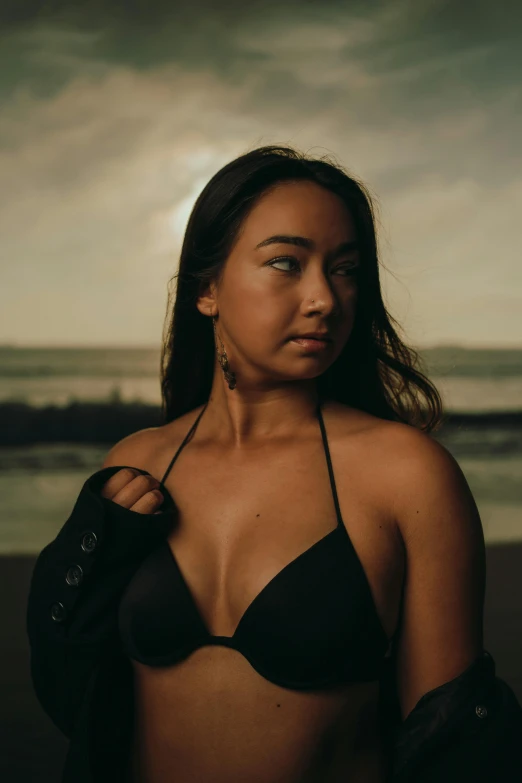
(314, 625)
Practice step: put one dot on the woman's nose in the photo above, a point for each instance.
(320, 296)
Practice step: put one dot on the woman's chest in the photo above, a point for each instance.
(276, 524)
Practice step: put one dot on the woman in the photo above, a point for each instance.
(320, 533)
(284, 632)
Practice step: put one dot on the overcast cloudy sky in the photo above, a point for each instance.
(110, 125)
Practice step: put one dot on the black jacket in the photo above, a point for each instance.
(470, 728)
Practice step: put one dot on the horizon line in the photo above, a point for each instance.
(157, 346)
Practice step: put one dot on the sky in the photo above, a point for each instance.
(112, 121)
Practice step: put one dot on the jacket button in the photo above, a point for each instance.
(89, 542)
(74, 576)
(58, 612)
(481, 711)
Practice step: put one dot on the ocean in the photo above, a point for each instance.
(469, 380)
(39, 483)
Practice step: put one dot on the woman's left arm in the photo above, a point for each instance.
(460, 721)
(445, 572)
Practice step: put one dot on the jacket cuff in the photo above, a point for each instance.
(99, 535)
(448, 717)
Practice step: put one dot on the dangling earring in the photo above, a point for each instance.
(230, 376)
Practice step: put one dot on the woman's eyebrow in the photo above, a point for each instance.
(288, 239)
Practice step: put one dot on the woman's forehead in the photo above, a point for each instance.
(300, 209)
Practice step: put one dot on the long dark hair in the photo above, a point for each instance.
(375, 372)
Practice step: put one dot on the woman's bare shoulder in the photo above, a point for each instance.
(133, 449)
(144, 448)
(396, 451)
(415, 471)
(352, 421)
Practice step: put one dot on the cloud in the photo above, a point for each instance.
(110, 131)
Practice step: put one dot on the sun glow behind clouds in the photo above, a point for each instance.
(198, 166)
(168, 226)
(178, 216)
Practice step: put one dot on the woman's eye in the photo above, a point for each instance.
(283, 260)
(346, 271)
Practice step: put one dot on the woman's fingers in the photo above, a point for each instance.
(117, 482)
(148, 503)
(133, 490)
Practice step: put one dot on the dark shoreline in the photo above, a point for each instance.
(32, 750)
(22, 424)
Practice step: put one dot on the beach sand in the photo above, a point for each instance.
(32, 750)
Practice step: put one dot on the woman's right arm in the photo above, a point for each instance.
(78, 580)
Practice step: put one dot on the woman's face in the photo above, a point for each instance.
(264, 298)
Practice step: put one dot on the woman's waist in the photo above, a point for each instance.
(214, 717)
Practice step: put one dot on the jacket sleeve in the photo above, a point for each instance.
(75, 588)
(469, 728)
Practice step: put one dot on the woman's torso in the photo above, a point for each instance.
(242, 519)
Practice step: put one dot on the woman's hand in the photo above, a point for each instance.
(134, 491)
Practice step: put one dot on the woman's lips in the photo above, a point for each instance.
(311, 344)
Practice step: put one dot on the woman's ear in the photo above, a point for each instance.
(206, 301)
